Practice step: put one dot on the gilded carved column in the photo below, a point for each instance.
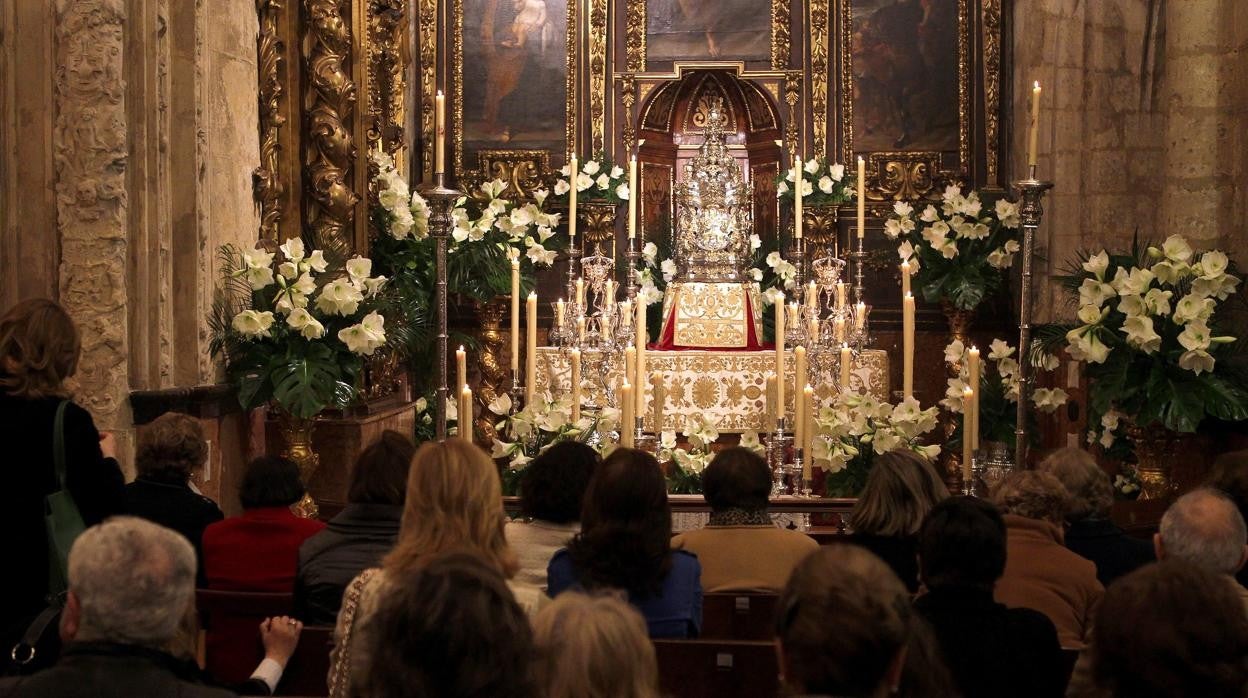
(820, 32)
(329, 103)
(269, 54)
(90, 151)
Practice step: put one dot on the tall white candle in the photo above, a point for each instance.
(439, 133)
(530, 349)
(797, 196)
(808, 430)
(973, 377)
(780, 412)
(847, 360)
(515, 317)
(862, 198)
(907, 354)
(639, 385)
(461, 368)
(799, 380)
(632, 197)
(576, 384)
(627, 423)
(1033, 132)
(968, 454)
(465, 414)
(905, 278)
(574, 168)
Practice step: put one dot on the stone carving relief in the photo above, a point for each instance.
(90, 162)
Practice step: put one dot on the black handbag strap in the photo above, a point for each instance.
(24, 652)
(58, 444)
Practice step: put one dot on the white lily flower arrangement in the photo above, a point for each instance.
(685, 465)
(293, 330)
(1151, 332)
(852, 428)
(998, 388)
(822, 182)
(957, 249)
(546, 422)
(597, 179)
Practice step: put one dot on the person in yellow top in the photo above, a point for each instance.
(740, 548)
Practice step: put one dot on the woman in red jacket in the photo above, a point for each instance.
(259, 551)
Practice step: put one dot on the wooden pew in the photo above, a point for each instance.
(717, 668)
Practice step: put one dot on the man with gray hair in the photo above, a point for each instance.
(1205, 529)
(131, 583)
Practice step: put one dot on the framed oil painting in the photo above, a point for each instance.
(513, 66)
(905, 58)
(708, 30)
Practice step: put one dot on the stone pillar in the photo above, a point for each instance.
(1204, 89)
(138, 119)
(90, 149)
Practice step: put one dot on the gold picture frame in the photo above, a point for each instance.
(930, 142)
(468, 171)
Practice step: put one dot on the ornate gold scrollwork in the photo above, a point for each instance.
(628, 97)
(597, 74)
(330, 150)
(386, 63)
(597, 219)
(819, 224)
(820, 30)
(904, 176)
(267, 184)
(780, 34)
(427, 20)
(992, 85)
(522, 170)
(635, 36)
(792, 93)
(490, 363)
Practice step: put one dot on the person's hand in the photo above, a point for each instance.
(280, 635)
(108, 444)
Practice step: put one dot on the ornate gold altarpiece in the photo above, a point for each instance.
(728, 387)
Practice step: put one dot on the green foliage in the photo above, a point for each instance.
(1150, 387)
(301, 376)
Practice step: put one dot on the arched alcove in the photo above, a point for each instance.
(671, 124)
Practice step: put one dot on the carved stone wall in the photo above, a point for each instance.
(139, 119)
(1141, 125)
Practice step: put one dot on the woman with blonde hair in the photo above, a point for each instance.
(901, 488)
(39, 349)
(454, 501)
(594, 647)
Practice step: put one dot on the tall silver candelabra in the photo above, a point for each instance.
(1031, 192)
(441, 202)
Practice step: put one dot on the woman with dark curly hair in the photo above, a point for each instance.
(171, 450)
(626, 543)
(551, 490)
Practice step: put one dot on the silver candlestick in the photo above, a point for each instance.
(1031, 191)
(860, 258)
(441, 202)
(634, 254)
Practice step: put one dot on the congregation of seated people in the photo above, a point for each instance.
(424, 585)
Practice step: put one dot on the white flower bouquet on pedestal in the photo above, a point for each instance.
(1150, 329)
(852, 428)
(293, 329)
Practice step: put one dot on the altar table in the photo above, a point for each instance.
(728, 387)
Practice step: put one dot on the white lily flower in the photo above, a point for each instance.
(1197, 361)
(500, 405)
(562, 187)
(622, 193)
(591, 167)
(1177, 249)
(826, 184)
(251, 323)
(302, 322)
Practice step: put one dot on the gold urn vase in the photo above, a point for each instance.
(1155, 450)
(297, 447)
(959, 330)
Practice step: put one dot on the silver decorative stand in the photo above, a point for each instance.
(860, 258)
(441, 202)
(634, 255)
(1031, 192)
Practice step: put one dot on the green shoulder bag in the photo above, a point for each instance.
(61, 517)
